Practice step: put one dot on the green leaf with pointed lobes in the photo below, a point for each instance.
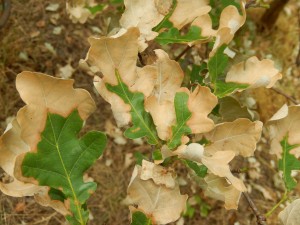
(200, 170)
(61, 160)
(217, 67)
(182, 116)
(218, 64)
(173, 36)
(143, 125)
(223, 89)
(288, 163)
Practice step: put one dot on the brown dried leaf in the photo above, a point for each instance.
(160, 175)
(109, 54)
(164, 205)
(218, 188)
(43, 94)
(254, 72)
(187, 10)
(239, 136)
(168, 81)
(285, 121)
(290, 215)
(205, 23)
(201, 102)
(218, 165)
(163, 6)
(169, 78)
(230, 22)
(162, 120)
(144, 15)
(11, 145)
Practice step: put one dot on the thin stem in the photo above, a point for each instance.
(260, 218)
(183, 52)
(285, 95)
(282, 200)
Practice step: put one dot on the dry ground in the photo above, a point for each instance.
(24, 45)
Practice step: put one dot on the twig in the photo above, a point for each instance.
(183, 52)
(261, 219)
(285, 95)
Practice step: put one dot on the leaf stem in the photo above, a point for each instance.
(282, 200)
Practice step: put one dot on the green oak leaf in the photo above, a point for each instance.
(288, 163)
(196, 73)
(156, 155)
(218, 64)
(218, 67)
(182, 116)
(62, 158)
(143, 125)
(223, 89)
(200, 171)
(139, 218)
(173, 36)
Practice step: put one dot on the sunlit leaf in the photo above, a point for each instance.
(290, 215)
(223, 89)
(164, 203)
(254, 73)
(173, 36)
(62, 158)
(217, 64)
(143, 125)
(182, 116)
